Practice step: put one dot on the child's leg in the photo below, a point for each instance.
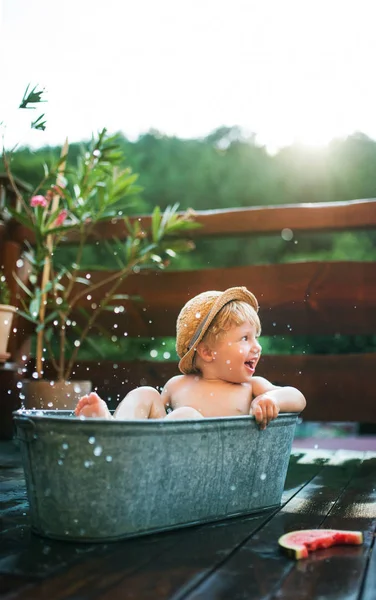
(184, 412)
(142, 403)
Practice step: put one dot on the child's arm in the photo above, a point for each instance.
(170, 388)
(270, 399)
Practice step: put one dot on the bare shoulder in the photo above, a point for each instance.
(174, 387)
(176, 383)
(260, 385)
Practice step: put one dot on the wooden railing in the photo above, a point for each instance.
(310, 298)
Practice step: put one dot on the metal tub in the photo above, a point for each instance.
(96, 480)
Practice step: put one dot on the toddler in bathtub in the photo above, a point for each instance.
(217, 342)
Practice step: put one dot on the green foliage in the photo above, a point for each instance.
(31, 97)
(74, 200)
(226, 170)
(4, 290)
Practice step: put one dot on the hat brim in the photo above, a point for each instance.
(240, 294)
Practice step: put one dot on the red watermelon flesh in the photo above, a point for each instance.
(298, 544)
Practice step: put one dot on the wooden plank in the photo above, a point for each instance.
(12, 584)
(88, 568)
(295, 298)
(337, 387)
(42, 568)
(368, 592)
(346, 566)
(198, 550)
(320, 216)
(257, 568)
(102, 566)
(11, 253)
(89, 576)
(2, 237)
(328, 382)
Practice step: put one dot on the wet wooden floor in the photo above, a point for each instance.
(233, 559)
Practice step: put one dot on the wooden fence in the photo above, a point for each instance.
(309, 298)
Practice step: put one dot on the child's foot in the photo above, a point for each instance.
(92, 406)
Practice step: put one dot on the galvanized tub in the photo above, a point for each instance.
(97, 480)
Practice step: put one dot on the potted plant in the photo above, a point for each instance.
(72, 201)
(6, 317)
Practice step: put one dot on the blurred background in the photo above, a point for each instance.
(217, 104)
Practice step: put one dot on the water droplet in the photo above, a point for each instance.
(98, 450)
(287, 234)
(91, 439)
(108, 458)
(263, 476)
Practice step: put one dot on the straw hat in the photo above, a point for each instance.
(196, 317)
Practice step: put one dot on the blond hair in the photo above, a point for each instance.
(233, 313)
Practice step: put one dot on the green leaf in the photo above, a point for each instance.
(47, 322)
(21, 218)
(26, 316)
(155, 223)
(121, 297)
(35, 306)
(22, 285)
(82, 280)
(39, 124)
(32, 97)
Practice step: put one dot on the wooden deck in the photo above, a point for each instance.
(233, 559)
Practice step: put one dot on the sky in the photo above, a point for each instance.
(287, 70)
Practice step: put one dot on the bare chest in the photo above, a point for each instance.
(214, 401)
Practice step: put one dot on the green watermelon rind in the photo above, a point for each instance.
(299, 550)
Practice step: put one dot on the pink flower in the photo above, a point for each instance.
(61, 217)
(38, 201)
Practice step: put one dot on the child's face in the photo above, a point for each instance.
(237, 353)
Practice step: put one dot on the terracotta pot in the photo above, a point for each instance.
(6, 316)
(61, 395)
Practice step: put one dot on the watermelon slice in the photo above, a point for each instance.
(298, 544)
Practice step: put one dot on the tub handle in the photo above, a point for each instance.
(25, 429)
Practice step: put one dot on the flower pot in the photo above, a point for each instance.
(6, 317)
(54, 394)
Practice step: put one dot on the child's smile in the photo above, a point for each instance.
(236, 354)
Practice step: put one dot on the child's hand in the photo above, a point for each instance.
(264, 408)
